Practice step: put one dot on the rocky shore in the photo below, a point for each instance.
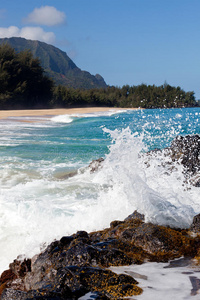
(75, 265)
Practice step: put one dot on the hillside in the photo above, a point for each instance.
(57, 64)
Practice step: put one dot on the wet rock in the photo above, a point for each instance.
(184, 150)
(10, 294)
(65, 175)
(95, 164)
(195, 281)
(134, 216)
(181, 262)
(66, 240)
(115, 223)
(76, 265)
(187, 149)
(7, 277)
(106, 282)
(81, 234)
(195, 226)
(20, 268)
(142, 240)
(73, 282)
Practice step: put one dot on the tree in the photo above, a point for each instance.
(22, 80)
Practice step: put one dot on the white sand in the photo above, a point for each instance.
(53, 112)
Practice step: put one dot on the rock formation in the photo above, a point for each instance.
(184, 150)
(78, 264)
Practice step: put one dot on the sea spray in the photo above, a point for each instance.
(40, 203)
(155, 191)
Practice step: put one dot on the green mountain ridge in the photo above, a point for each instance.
(57, 64)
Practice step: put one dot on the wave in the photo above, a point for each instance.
(72, 117)
(62, 119)
(40, 202)
(153, 189)
(108, 113)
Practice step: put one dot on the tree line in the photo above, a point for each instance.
(144, 96)
(23, 84)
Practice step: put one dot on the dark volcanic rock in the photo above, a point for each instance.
(95, 164)
(72, 282)
(134, 216)
(186, 150)
(10, 294)
(75, 265)
(195, 226)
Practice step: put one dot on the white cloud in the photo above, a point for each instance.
(32, 33)
(9, 32)
(46, 15)
(37, 33)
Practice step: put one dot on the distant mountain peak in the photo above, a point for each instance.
(57, 64)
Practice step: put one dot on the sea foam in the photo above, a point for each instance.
(36, 210)
(37, 206)
(62, 119)
(72, 117)
(153, 189)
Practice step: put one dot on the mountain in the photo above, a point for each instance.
(57, 64)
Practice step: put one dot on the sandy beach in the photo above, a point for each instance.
(53, 112)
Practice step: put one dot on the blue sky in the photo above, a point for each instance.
(126, 41)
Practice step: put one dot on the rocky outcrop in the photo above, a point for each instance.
(95, 165)
(184, 150)
(187, 151)
(75, 265)
(78, 264)
(195, 226)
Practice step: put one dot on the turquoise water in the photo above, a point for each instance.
(83, 139)
(39, 202)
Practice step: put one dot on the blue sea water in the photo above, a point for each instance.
(40, 201)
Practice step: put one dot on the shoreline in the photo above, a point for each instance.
(4, 114)
(108, 264)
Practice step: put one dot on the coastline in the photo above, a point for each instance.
(131, 258)
(153, 277)
(4, 114)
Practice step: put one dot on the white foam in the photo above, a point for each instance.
(153, 191)
(63, 119)
(102, 113)
(159, 282)
(36, 207)
(70, 118)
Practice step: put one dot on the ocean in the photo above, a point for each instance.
(47, 189)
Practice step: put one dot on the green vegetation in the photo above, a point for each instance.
(56, 64)
(144, 96)
(23, 84)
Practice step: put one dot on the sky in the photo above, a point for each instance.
(125, 41)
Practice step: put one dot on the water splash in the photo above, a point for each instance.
(154, 189)
(36, 206)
